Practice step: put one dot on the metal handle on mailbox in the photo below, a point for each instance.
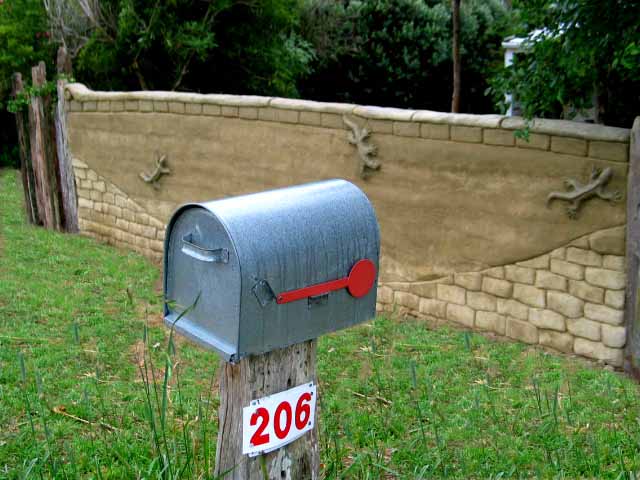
(217, 255)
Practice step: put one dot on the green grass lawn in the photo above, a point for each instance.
(80, 325)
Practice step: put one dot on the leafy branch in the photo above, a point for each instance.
(23, 98)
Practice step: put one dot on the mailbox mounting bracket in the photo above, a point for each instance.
(263, 292)
(318, 300)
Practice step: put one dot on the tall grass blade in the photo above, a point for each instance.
(165, 393)
(29, 468)
(23, 368)
(76, 333)
(98, 469)
(414, 377)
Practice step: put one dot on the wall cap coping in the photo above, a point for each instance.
(567, 128)
(79, 92)
(564, 128)
(311, 106)
(384, 113)
(461, 119)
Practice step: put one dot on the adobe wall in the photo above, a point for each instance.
(467, 236)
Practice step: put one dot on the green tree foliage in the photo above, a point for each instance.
(398, 52)
(24, 41)
(234, 46)
(584, 47)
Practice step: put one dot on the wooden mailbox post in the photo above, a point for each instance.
(255, 377)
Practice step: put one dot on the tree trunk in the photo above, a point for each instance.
(252, 378)
(41, 153)
(26, 167)
(455, 98)
(68, 200)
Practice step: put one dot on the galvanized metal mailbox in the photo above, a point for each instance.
(271, 269)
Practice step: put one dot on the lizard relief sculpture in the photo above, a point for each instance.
(577, 192)
(358, 136)
(161, 169)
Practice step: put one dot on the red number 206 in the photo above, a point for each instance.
(302, 414)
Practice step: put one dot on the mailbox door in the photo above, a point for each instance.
(202, 276)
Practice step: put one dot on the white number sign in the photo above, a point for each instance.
(274, 421)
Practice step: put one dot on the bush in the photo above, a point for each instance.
(24, 41)
(9, 154)
(230, 46)
(398, 52)
(587, 47)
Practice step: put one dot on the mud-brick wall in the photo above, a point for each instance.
(467, 235)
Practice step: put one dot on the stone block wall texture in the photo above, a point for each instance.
(570, 299)
(467, 237)
(108, 214)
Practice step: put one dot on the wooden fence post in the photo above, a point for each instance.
(254, 377)
(632, 304)
(42, 153)
(26, 167)
(67, 187)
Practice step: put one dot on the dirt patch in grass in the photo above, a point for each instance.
(153, 318)
(158, 287)
(136, 354)
(151, 370)
(155, 357)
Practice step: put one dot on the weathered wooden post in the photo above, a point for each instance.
(266, 275)
(42, 153)
(68, 199)
(46, 169)
(632, 300)
(26, 167)
(455, 53)
(258, 376)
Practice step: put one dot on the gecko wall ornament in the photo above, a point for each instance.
(578, 192)
(358, 136)
(161, 169)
